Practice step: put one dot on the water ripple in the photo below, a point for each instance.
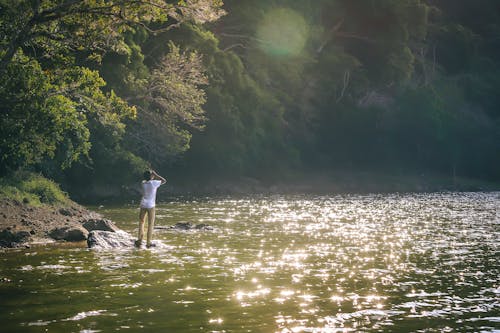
(391, 262)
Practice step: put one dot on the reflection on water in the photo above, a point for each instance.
(408, 263)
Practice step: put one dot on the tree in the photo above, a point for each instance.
(169, 100)
(35, 120)
(47, 49)
(57, 28)
(46, 114)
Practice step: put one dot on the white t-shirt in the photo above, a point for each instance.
(149, 193)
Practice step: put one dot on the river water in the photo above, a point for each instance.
(344, 263)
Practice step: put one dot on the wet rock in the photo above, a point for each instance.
(183, 226)
(72, 233)
(163, 227)
(203, 226)
(99, 239)
(187, 226)
(100, 224)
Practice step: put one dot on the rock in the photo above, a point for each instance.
(73, 233)
(66, 212)
(183, 226)
(187, 226)
(203, 226)
(163, 227)
(107, 240)
(100, 239)
(12, 238)
(100, 224)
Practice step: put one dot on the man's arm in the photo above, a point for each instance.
(158, 177)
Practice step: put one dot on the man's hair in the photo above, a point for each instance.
(146, 175)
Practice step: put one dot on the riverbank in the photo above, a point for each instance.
(34, 210)
(22, 225)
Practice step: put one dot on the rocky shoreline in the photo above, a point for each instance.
(22, 225)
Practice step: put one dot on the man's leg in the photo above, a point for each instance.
(151, 224)
(142, 219)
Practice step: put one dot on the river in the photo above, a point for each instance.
(341, 263)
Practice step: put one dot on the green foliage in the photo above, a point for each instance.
(47, 191)
(32, 189)
(46, 114)
(110, 172)
(245, 128)
(104, 91)
(58, 29)
(56, 107)
(169, 100)
(36, 119)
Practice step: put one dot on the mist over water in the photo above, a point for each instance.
(394, 263)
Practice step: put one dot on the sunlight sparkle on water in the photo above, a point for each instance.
(278, 264)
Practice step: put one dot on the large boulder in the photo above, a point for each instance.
(70, 233)
(100, 224)
(109, 240)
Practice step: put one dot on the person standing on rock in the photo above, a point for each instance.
(149, 185)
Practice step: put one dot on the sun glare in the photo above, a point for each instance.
(282, 32)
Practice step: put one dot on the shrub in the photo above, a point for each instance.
(32, 188)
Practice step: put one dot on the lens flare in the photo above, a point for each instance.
(283, 32)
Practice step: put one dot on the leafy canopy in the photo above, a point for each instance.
(52, 96)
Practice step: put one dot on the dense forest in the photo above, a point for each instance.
(94, 91)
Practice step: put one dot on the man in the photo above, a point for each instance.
(149, 186)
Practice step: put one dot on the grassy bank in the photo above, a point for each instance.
(32, 189)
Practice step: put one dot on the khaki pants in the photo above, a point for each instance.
(151, 221)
